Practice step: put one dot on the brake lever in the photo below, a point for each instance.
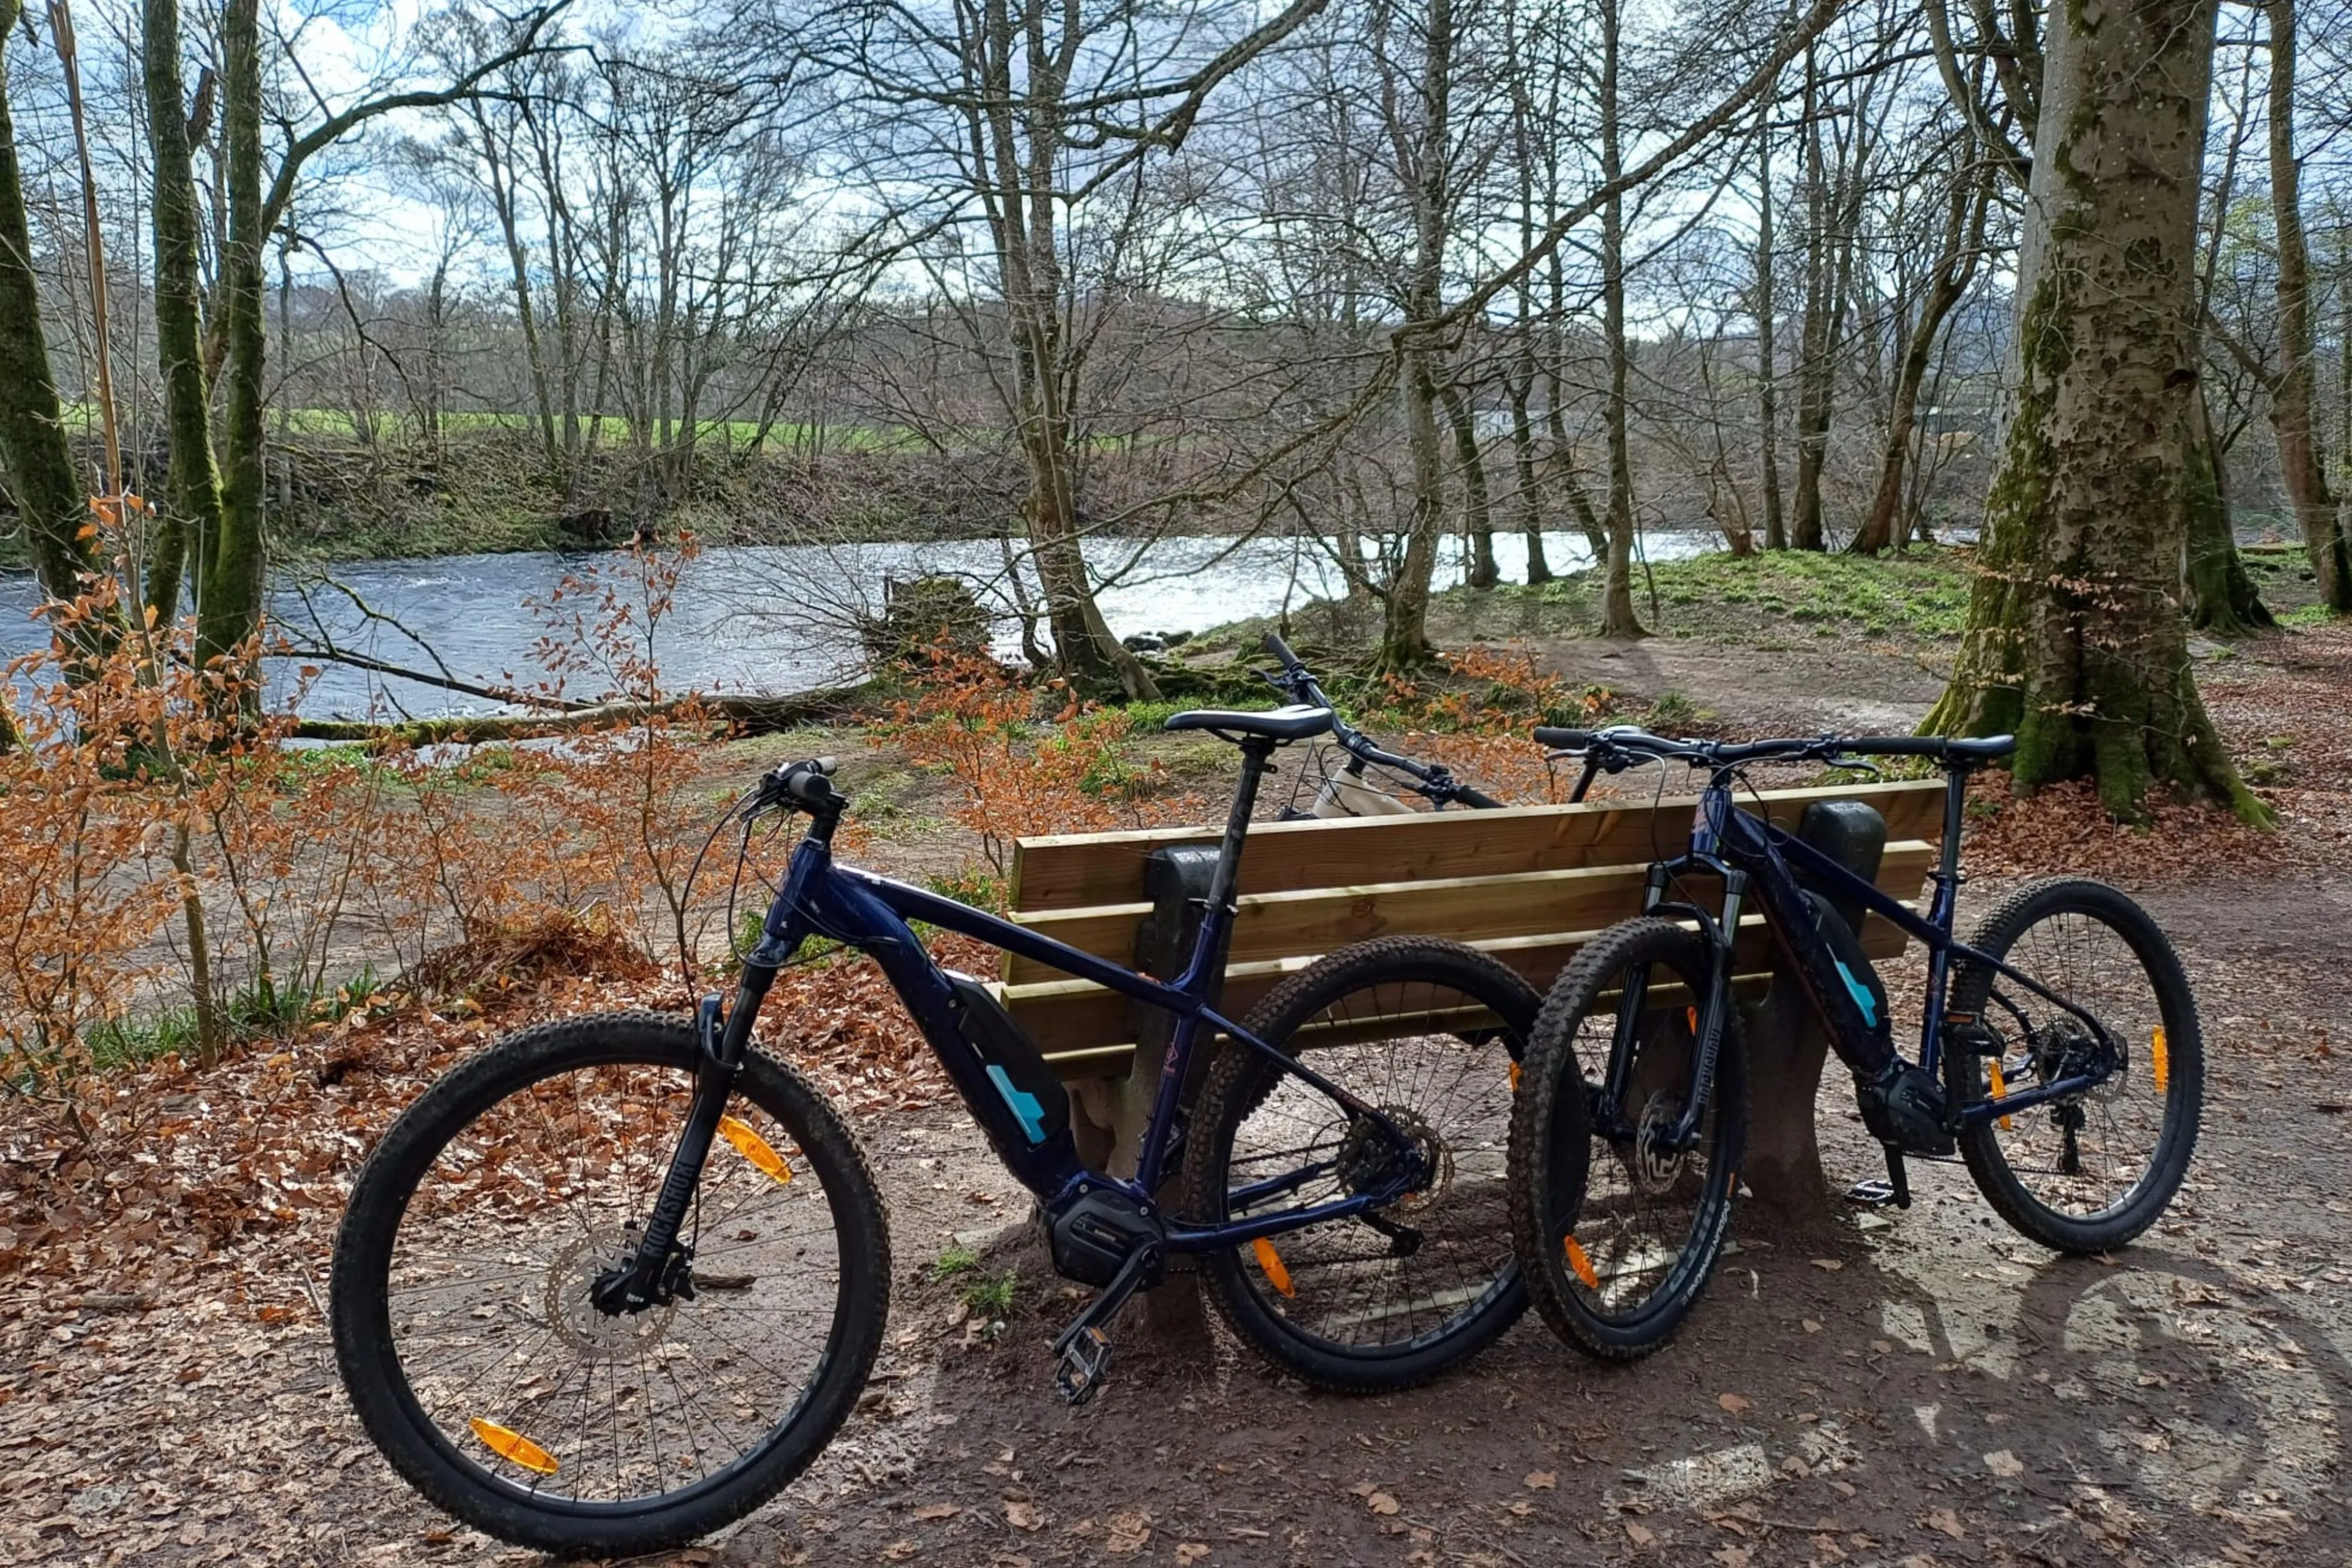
(1854, 764)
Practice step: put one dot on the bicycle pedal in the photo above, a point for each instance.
(1892, 1190)
(1086, 1360)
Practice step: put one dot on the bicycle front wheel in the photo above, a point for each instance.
(2092, 1171)
(1619, 1229)
(464, 1326)
(1428, 1033)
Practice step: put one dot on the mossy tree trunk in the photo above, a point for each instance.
(230, 611)
(2076, 638)
(2222, 598)
(1767, 309)
(48, 490)
(1404, 630)
(2293, 394)
(190, 515)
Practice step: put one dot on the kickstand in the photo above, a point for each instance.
(1084, 1348)
(1896, 1188)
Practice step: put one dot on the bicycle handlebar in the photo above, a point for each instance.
(1432, 780)
(1625, 739)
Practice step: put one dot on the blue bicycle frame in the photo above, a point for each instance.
(1752, 855)
(819, 897)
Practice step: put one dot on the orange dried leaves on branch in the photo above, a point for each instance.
(1026, 759)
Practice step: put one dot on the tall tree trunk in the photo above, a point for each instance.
(1479, 514)
(1955, 265)
(1563, 452)
(2075, 640)
(49, 492)
(1523, 465)
(191, 513)
(231, 611)
(2221, 597)
(1520, 380)
(1768, 398)
(1424, 149)
(2299, 466)
(1816, 368)
(1019, 192)
(1617, 617)
(1405, 634)
(502, 169)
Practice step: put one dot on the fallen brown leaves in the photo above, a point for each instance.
(162, 1352)
(2063, 828)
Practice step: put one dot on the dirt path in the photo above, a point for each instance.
(1924, 1387)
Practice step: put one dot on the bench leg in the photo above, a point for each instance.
(1786, 1050)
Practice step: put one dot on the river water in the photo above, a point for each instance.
(751, 618)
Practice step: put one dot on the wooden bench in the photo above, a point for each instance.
(1529, 885)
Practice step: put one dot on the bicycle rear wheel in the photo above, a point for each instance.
(462, 1319)
(1428, 1033)
(2091, 1172)
(1618, 1234)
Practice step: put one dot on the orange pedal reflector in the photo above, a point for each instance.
(2000, 1088)
(1582, 1264)
(2159, 1056)
(1270, 1261)
(508, 1444)
(753, 1147)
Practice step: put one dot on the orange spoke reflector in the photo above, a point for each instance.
(2000, 1088)
(1515, 1077)
(1582, 1264)
(1693, 1014)
(2159, 1055)
(1270, 1261)
(753, 1147)
(514, 1446)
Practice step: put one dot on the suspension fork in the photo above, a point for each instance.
(1712, 1013)
(659, 1270)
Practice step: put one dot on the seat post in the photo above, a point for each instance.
(1256, 751)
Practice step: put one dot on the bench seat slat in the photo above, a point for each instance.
(1084, 1030)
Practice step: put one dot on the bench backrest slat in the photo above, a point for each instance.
(1529, 885)
(1072, 871)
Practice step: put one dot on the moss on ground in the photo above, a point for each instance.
(1780, 597)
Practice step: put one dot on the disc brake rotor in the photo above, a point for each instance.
(1656, 1166)
(574, 1318)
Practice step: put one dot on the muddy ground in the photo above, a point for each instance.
(1909, 1388)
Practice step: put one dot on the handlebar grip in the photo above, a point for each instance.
(1466, 795)
(1281, 650)
(810, 783)
(1563, 740)
(1893, 746)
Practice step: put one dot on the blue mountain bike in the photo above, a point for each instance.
(615, 1282)
(2059, 1051)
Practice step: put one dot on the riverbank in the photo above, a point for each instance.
(490, 489)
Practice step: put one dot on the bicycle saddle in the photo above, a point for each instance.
(1297, 721)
